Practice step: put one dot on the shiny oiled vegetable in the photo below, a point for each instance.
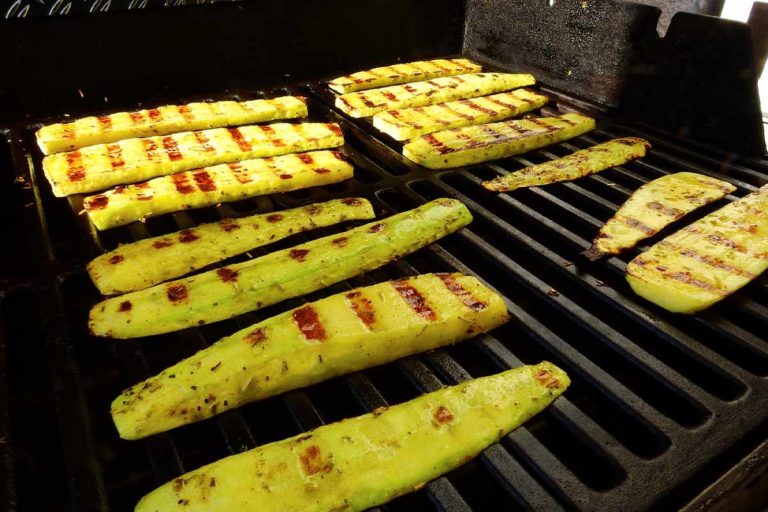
(333, 336)
(705, 262)
(576, 165)
(403, 124)
(128, 161)
(654, 206)
(213, 185)
(474, 144)
(429, 92)
(92, 130)
(151, 261)
(366, 461)
(402, 73)
(230, 291)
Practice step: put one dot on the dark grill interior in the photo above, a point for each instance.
(659, 406)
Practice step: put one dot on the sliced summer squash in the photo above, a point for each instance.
(366, 461)
(230, 291)
(654, 206)
(341, 334)
(153, 260)
(429, 92)
(92, 130)
(402, 73)
(128, 161)
(403, 124)
(576, 165)
(474, 144)
(705, 262)
(213, 185)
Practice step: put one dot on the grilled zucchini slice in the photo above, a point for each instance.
(230, 291)
(577, 165)
(408, 123)
(92, 130)
(654, 206)
(153, 260)
(474, 144)
(402, 73)
(212, 185)
(337, 335)
(705, 262)
(366, 461)
(429, 92)
(128, 161)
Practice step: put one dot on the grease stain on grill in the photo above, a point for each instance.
(309, 323)
(176, 292)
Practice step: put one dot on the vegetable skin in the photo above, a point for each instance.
(340, 334)
(366, 461)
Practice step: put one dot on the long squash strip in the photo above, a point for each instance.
(314, 342)
(92, 130)
(153, 260)
(705, 262)
(429, 92)
(230, 291)
(654, 206)
(402, 73)
(128, 161)
(408, 123)
(474, 144)
(576, 165)
(218, 184)
(369, 460)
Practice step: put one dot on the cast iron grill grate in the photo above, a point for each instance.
(655, 397)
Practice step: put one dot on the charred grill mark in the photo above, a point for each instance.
(255, 337)
(187, 236)
(475, 144)
(115, 154)
(389, 96)
(471, 104)
(150, 149)
(351, 201)
(440, 67)
(186, 113)
(227, 275)
(125, 306)
(397, 115)
(306, 158)
(460, 65)
(546, 379)
(414, 299)
(98, 202)
(366, 101)
(706, 259)
(426, 114)
(411, 89)
(311, 461)
(299, 254)
(313, 209)
(237, 136)
(155, 114)
(362, 307)
(181, 182)
(275, 217)
(491, 132)
(203, 143)
(340, 242)
(240, 174)
(321, 170)
(309, 323)
(539, 122)
(666, 210)
(229, 225)
(566, 121)
(462, 293)
(638, 225)
(75, 168)
(176, 292)
(160, 244)
(204, 181)
(376, 228)
(137, 118)
(338, 155)
(504, 104)
(68, 133)
(346, 103)
(171, 148)
(439, 146)
(117, 258)
(335, 129)
(442, 415)
(105, 122)
(456, 113)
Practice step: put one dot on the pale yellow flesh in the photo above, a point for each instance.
(366, 461)
(350, 331)
(213, 185)
(403, 124)
(402, 73)
(576, 165)
(151, 261)
(654, 206)
(92, 130)
(429, 92)
(482, 143)
(705, 262)
(128, 161)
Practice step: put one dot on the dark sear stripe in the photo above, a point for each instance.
(666, 210)
(186, 113)
(506, 138)
(306, 158)
(367, 102)
(706, 259)
(491, 132)
(414, 299)
(171, 148)
(154, 114)
(137, 117)
(410, 88)
(75, 169)
(240, 174)
(68, 133)
(204, 181)
(389, 96)
(115, 154)
(98, 202)
(176, 292)
(309, 323)
(237, 136)
(462, 293)
(105, 122)
(539, 122)
(637, 224)
(203, 142)
(504, 103)
(457, 113)
(426, 114)
(461, 65)
(181, 182)
(397, 115)
(150, 149)
(439, 146)
(441, 67)
(471, 104)
(687, 278)
(362, 307)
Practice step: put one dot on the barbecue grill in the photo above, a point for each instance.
(661, 405)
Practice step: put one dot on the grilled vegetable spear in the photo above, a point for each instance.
(654, 206)
(408, 123)
(131, 160)
(163, 120)
(577, 165)
(429, 92)
(341, 334)
(218, 184)
(402, 73)
(705, 262)
(153, 260)
(368, 460)
(474, 144)
(230, 291)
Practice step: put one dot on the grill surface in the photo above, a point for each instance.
(659, 403)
